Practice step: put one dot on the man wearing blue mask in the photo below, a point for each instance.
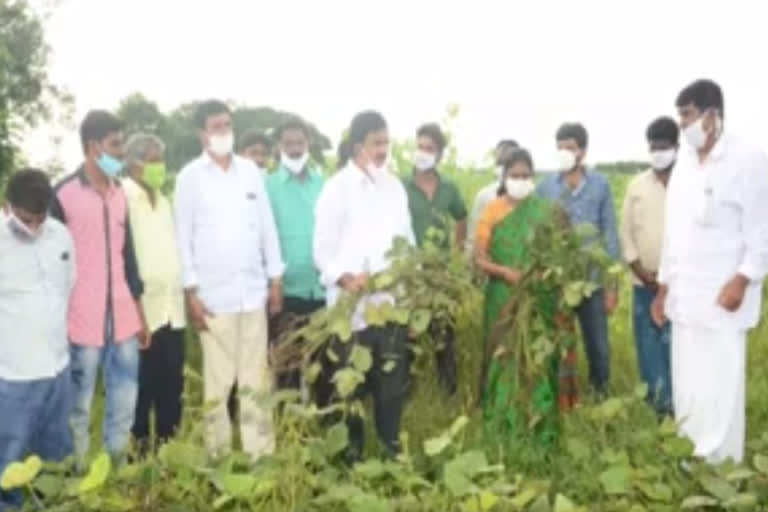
(106, 324)
(713, 264)
(37, 272)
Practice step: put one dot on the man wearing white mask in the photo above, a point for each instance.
(293, 191)
(488, 192)
(714, 260)
(642, 229)
(361, 211)
(586, 197)
(231, 272)
(432, 199)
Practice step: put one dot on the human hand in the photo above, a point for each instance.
(275, 302)
(197, 312)
(732, 294)
(610, 300)
(511, 275)
(658, 315)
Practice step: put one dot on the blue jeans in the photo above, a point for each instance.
(34, 421)
(594, 330)
(653, 352)
(120, 362)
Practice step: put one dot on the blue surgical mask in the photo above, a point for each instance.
(109, 165)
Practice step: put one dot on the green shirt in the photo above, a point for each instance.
(446, 202)
(293, 205)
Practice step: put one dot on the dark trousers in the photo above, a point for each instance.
(161, 383)
(295, 315)
(653, 352)
(444, 335)
(594, 330)
(388, 388)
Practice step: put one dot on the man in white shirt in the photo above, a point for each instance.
(641, 233)
(489, 192)
(37, 273)
(231, 272)
(714, 260)
(359, 213)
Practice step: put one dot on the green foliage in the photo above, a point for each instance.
(27, 95)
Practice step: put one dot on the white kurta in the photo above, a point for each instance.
(716, 226)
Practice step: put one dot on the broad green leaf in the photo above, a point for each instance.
(97, 474)
(573, 294)
(614, 480)
(717, 487)
(388, 366)
(678, 447)
(420, 321)
(222, 501)
(744, 501)
(739, 474)
(458, 425)
(563, 504)
(472, 504)
(541, 504)
(488, 500)
(368, 503)
(761, 463)
(371, 469)
(183, 455)
(49, 485)
(361, 358)
(313, 372)
(641, 391)
(347, 380)
(697, 502)
(400, 316)
(341, 326)
(20, 474)
(523, 498)
(383, 280)
(336, 439)
(578, 449)
(236, 485)
(436, 445)
(374, 316)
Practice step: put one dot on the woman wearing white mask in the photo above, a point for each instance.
(501, 252)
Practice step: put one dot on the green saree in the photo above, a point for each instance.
(505, 419)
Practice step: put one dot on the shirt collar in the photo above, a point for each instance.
(209, 163)
(575, 192)
(360, 176)
(84, 181)
(285, 175)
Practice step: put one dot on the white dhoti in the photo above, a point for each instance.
(708, 388)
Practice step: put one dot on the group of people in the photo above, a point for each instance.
(103, 272)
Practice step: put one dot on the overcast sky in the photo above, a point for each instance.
(516, 68)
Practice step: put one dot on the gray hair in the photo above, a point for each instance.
(137, 147)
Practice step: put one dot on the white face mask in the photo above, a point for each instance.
(566, 159)
(424, 160)
(295, 165)
(662, 159)
(519, 188)
(696, 135)
(221, 145)
(372, 168)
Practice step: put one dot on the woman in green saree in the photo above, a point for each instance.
(515, 408)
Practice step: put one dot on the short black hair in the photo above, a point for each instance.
(292, 123)
(96, 125)
(663, 128)
(30, 190)
(434, 132)
(514, 157)
(704, 94)
(210, 108)
(575, 131)
(252, 137)
(512, 143)
(364, 124)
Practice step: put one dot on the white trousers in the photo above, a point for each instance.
(235, 348)
(708, 389)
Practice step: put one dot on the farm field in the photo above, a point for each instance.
(614, 456)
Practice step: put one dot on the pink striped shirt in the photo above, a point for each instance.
(107, 281)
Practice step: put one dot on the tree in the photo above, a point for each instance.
(178, 130)
(27, 95)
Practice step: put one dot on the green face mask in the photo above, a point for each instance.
(154, 175)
